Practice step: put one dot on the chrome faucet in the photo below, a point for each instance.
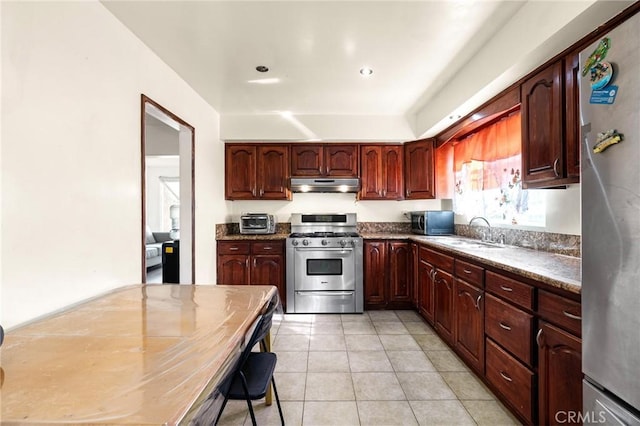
(484, 237)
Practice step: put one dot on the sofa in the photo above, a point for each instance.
(153, 246)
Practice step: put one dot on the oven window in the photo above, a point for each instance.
(324, 266)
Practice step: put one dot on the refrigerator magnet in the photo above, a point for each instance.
(607, 139)
(598, 55)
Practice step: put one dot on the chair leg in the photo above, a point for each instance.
(224, 404)
(275, 392)
(246, 394)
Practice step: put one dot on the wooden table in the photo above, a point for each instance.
(143, 354)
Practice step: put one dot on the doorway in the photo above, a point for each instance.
(168, 202)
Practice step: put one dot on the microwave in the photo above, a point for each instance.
(257, 223)
(432, 222)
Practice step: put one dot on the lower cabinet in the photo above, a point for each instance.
(521, 339)
(387, 274)
(559, 359)
(468, 313)
(252, 263)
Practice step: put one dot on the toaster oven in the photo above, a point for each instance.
(257, 223)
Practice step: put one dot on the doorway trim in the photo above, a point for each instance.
(144, 100)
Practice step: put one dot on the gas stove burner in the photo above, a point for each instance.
(324, 235)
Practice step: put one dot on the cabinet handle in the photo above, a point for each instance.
(267, 248)
(253, 192)
(234, 248)
(408, 192)
(509, 289)
(539, 338)
(506, 377)
(261, 192)
(384, 192)
(255, 262)
(555, 167)
(466, 271)
(504, 326)
(478, 302)
(572, 316)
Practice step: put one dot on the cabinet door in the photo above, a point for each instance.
(572, 119)
(268, 269)
(560, 374)
(240, 172)
(392, 178)
(307, 160)
(375, 274)
(419, 170)
(542, 118)
(233, 269)
(399, 273)
(371, 173)
(341, 160)
(273, 172)
(425, 291)
(469, 323)
(443, 300)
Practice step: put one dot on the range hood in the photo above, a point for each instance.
(325, 185)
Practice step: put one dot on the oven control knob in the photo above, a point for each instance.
(324, 242)
(305, 242)
(343, 243)
(353, 243)
(294, 242)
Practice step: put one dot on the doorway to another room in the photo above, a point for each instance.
(168, 205)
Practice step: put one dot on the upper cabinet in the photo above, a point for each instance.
(333, 160)
(419, 169)
(381, 172)
(550, 133)
(257, 172)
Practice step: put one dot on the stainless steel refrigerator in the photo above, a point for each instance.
(610, 184)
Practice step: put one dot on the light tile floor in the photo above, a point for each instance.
(378, 368)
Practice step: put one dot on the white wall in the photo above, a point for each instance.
(72, 76)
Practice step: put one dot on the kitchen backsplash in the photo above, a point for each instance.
(544, 241)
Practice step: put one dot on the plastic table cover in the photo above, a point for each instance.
(143, 354)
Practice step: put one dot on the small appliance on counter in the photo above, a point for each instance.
(257, 223)
(432, 222)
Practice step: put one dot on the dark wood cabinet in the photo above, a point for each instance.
(469, 313)
(257, 172)
(381, 172)
(425, 290)
(550, 126)
(560, 375)
(443, 299)
(375, 274)
(319, 160)
(419, 166)
(252, 263)
(387, 275)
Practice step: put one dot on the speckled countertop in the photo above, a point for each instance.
(557, 270)
(248, 237)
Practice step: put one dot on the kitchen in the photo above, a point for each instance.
(115, 244)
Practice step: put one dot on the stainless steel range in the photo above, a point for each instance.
(324, 264)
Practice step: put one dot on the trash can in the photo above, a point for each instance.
(171, 262)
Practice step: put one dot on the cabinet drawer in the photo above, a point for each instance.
(471, 274)
(437, 259)
(514, 291)
(233, 247)
(558, 310)
(514, 381)
(267, 247)
(510, 327)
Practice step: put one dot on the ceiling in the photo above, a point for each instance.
(315, 49)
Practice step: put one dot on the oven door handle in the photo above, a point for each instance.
(322, 249)
(325, 293)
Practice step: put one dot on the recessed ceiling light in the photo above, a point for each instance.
(262, 68)
(366, 71)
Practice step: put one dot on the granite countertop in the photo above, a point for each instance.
(557, 270)
(251, 237)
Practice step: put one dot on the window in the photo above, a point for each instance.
(483, 175)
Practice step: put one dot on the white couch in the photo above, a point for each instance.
(153, 246)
